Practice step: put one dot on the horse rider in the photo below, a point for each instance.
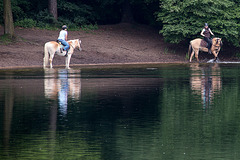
(63, 39)
(206, 33)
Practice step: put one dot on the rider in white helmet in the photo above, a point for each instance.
(63, 38)
(206, 33)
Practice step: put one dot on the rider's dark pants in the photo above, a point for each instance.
(209, 41)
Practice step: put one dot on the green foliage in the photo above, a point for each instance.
(77, 13)
(89, 27)
(26, 23)
(237, 55)
(185, 19)
(19, 9)
(45, 17)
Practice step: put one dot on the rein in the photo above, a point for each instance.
(71, 45)
(217, 46)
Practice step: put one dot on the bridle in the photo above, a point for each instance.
(74, 45)
(217, 45)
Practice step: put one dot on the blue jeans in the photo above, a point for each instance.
(66, 45)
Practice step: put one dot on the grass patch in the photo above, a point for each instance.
(89, 27)
(7, 39)
(187, 56)
(169, 51)
(237, 55)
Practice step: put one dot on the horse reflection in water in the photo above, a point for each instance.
(62, 84)
(206, 81)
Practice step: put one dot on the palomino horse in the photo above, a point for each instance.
(195, 47)
(51, 48)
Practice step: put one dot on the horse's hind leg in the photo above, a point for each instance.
(46, 57)
(190, 60)
(196, 54)
(44, 63)
(50, 60)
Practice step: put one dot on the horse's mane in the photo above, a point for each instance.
(217, 40)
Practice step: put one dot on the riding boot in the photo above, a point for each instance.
(61, 50)
(66, 53)
(209, 48)
(209, 51)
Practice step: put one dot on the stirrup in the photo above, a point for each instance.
(66, 54)
(61, 50)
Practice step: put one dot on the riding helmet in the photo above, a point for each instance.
(64, 27)
(206, 24)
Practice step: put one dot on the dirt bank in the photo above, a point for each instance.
(122, 43)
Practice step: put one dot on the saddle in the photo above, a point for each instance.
(203, 43)
(61, 45)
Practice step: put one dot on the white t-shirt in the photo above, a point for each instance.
(62, 34)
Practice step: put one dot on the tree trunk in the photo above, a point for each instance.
(127, 16)
(8, 18)
(52, 8)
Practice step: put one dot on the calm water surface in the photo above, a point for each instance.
(146, 112)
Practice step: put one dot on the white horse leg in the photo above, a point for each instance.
(46, 56)
(50, 60)
(196, 54)
(191, 56)
(45, 61)
(67, 61)
(44, 65)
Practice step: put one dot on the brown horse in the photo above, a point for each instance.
(195, 46)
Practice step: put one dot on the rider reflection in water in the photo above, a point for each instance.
(63, 92)
(206, 34)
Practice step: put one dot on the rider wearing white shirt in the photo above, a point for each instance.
(63, 38)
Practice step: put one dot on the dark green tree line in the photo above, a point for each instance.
(178, 20)
(84, 11)
(185, 19)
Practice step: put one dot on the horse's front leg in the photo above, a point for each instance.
(67, 61)
(215, 55)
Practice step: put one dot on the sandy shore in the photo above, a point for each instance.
(110, 44)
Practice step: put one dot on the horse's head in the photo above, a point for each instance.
(216, 46)
(217, 42)
(78, 44)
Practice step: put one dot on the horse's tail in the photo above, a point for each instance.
(190, 49)
(46, 56)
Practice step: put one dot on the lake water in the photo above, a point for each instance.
(133, 112)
